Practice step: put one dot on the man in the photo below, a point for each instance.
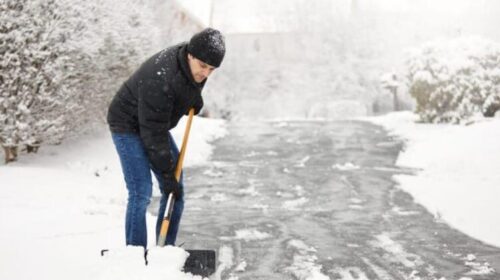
(145, 108)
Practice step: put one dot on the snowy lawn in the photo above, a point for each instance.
(59, 208)
(460, 179)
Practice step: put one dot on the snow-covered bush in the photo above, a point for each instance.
(35, 59)
(61, 62)
(454, 80)
(117, 37)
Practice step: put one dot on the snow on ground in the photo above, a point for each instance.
(396, 251)
(292, 205)
(305, 265)
(346, 166)
(249, 191)
(218, 197)
(459, 181)
(248, 235)
(60, 207)
(226, 256)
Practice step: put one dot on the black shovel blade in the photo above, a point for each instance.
(200, 262)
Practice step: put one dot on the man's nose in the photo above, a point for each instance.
(206, 72)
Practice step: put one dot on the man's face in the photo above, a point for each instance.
(199, 69)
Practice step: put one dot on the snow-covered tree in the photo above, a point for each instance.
(454, 80)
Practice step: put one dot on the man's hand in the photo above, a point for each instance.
(172, 186)
(198, 105)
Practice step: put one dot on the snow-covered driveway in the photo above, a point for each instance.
(315, 200)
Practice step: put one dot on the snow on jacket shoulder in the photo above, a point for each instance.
(152, 101)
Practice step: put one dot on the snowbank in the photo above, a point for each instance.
(460, 171)
(59, 208)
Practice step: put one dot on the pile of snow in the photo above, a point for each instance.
(60, 207)
(128, 263)
(459, 177)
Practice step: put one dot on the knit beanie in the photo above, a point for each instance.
(208, 46)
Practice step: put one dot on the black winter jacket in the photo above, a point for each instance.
(152, 101)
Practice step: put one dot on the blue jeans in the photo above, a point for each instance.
(137, 172)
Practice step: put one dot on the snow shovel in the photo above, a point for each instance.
(199, 262)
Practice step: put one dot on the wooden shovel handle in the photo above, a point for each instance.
(178, 170)
(180, 161)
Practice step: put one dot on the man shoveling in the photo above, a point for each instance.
(145, 108)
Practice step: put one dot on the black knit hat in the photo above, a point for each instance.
(208, 46)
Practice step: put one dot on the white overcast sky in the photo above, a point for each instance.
(254, 15)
